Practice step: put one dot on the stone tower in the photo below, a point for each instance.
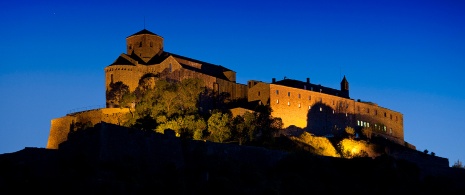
(345, 86)
(144, 44)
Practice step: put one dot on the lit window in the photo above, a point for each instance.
(333, 111)
(368, 124)
(364, 124)
(299, 105)
(289, 94)
(321, 109)
(288, 103)
(309, 107)
(277, 101)
(384, 128)
(390, 130)
(358, 122)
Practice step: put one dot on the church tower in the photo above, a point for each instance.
(144, 44)
(345, 86)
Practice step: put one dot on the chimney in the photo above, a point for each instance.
(273, 80)
(308, 80)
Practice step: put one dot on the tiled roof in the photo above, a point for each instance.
(144, 32)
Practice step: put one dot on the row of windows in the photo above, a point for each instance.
(376, 113)
(140, 45)
(377, 127)
(113, 69)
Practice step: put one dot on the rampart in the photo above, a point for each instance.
(61, 127)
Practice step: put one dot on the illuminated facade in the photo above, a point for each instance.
(317, 109)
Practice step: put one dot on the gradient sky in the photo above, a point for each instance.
(408, 56)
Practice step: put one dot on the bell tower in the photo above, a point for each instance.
(345, 86)
(144, 44)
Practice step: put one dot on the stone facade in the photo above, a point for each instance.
(324, 114)
(318, 109)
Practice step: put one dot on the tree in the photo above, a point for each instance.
(458, 164)
(350, 132)
(266, 126)
(218, 127)
(116, 93)
(367, 132)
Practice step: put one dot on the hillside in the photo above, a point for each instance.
(118, 160)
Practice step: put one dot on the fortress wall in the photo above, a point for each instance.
(381, 117)
(234, 89)
(294, 110)
(60, 127)
(260, 91)
(129, 75)
(59, 130)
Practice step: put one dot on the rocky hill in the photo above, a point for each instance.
(118, 160)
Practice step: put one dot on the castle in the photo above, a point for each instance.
(319, 110)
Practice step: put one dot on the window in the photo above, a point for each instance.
(171, 68)
(258, 93)
(333, 112)
(390, 116)
(384, 129)
(299, 105)
(309, 97)
(396, 118)
(140, 44)
(358, 123)
(368, 110)
(321, 109)
(151, 44)
(299, 95)
(390, 130)
(309, 107)
(289, 94)
(277, 92)
(376, 112)
(288, 103)
(277, 101)
(368, 124)
(130, 46)
(385, 115)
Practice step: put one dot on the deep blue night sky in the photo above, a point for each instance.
(408, 56)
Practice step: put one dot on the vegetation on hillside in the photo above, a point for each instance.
(194, 112)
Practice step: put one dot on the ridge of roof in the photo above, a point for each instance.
(143, 32)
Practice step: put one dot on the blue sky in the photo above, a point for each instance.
(408, 56)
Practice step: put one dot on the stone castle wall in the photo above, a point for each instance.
(61, 127)
(323, 113)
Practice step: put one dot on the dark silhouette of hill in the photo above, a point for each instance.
(110, 159)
